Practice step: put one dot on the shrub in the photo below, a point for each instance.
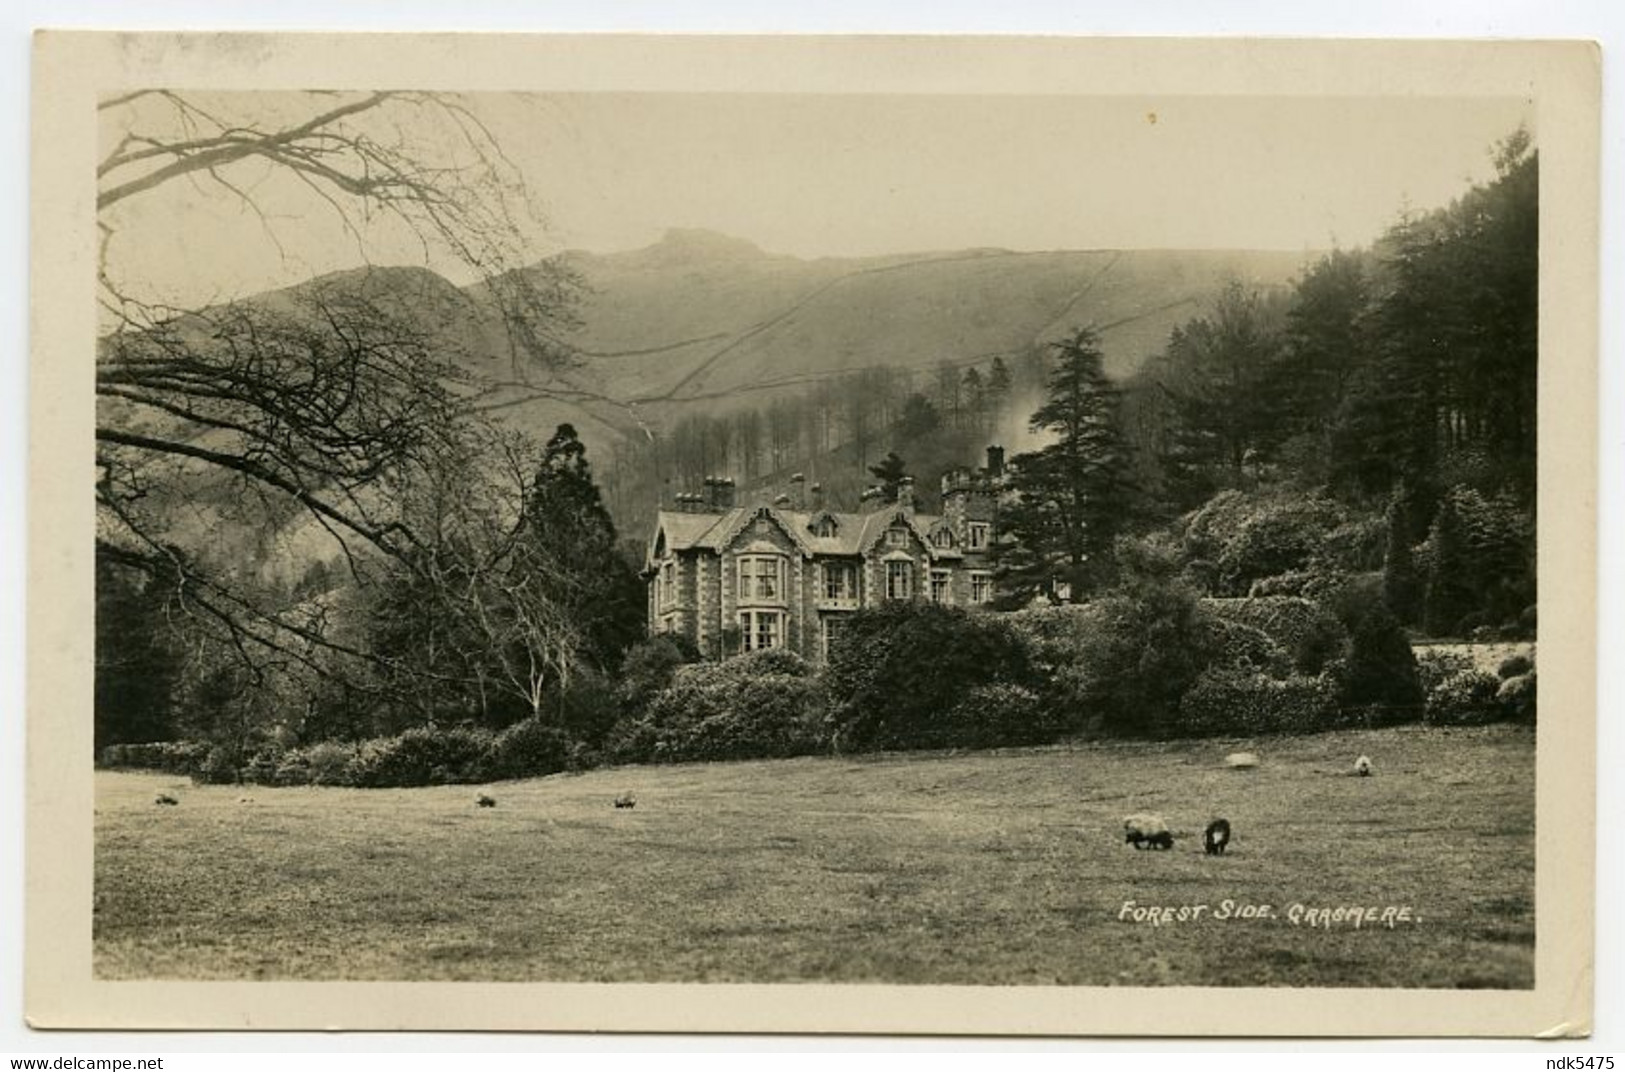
(170, 757)
(1310, 635)
(262, 766)
(734, 716)
(1246, 647)
(1516, 697)
(772, 662)
(997, 715)
(1434, 665)
(650, 664)
(424, 755)
(219, 767)
(1274, 537)
(1227, 702)
(1514, 666)
(328, 763)
(1380, 670)
(894, 671)
(1463, 699)
(529, 748)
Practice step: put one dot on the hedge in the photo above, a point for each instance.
(1228, 702)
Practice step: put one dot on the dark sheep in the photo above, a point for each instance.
(625, 800)
(1216, 837)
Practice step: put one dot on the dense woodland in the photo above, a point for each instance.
(1356, 452)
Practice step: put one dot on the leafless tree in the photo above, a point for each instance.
(338, 400)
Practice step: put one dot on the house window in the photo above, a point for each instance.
(668, 584)
(939, 586)
(978, 533)
(824, 526)
(943, 538)
(833, 624)
(761, 629)
(899, 579)
(897, 537)
(761, 578)
(981, 587)
(840, 580)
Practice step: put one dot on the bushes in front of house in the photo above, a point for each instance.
(898, 673)
(759, 706)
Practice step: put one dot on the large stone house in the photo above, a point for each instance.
(786, 574)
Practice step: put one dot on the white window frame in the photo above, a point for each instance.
(847, 572)
(828, 634)
(943, 538)
(902, 568)
(757, 625)
(750, 575)
(897, 536)
(978, 532)
(668, 584)
(942, 579)
(981, 586)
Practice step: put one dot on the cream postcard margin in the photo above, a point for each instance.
(73, 69)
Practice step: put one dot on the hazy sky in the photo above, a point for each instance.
(854, 175)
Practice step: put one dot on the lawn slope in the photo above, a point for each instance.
(971, 868)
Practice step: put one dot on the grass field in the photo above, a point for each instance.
(1005, 867)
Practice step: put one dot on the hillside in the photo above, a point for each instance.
(701, 322)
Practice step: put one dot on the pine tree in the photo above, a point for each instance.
(1069, 497)
(573, 545)
(1401, 585)
(890, 471)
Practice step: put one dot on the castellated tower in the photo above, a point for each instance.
(970, 501)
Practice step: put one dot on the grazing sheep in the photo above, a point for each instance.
(164, 798)
(626, 800)
(485, 801)
(1362, 766)
(1216, 837)
(1146, 830)
(245, 800)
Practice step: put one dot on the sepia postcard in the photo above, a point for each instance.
(906, 535)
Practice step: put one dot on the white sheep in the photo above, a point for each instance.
(1362, 766)
(1147, 830)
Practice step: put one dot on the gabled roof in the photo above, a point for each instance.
(855, 534)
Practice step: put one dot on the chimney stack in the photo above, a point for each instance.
(725, 493)
(905, 495)
(798, 484)
(817, 491)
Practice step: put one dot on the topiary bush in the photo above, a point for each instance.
(530, 748)
(1230, 702)
(895, 671)
(424, 755)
